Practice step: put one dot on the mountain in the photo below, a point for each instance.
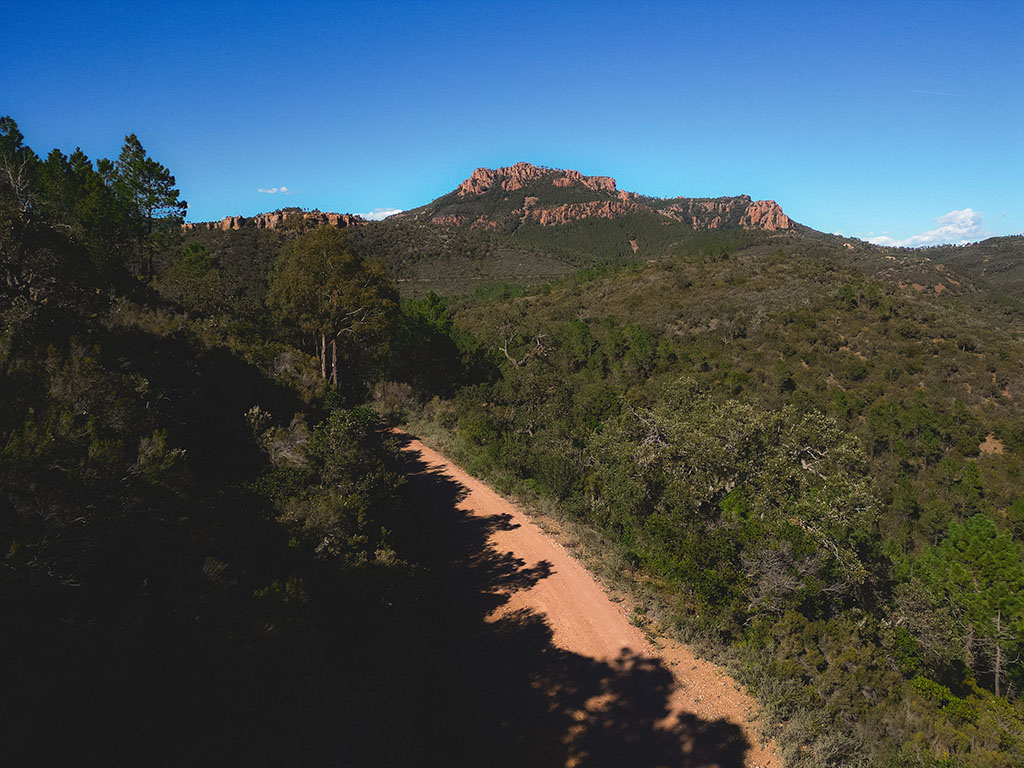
(682, 408)
(998, 261)
(279, 219)
(524, 194)
(525, 225)
(799, 452)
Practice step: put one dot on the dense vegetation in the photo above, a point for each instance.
(199, 534)
(818, 463)
(809, 452)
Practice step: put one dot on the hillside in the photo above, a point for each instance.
(805, 453)
(525, 226)
(522, 195)
(522, 224)
(997, 261)
(798, 452)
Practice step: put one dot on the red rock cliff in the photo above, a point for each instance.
(513, 177)
(274, 219)
(765, 214)
(718, 212)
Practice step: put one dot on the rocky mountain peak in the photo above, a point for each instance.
(275, 219)
(722, 212)
(513, 177)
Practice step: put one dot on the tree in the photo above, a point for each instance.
(147, 188)
(194, 280)
(731, 498)
(38, 261)
(77, 199)
(978, 573)
(17, 169)
(319, 286)
(18, 164)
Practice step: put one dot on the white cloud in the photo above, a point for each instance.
(275, 190)
(379, 213)
(955, 227)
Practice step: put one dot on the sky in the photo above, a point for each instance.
(900, 122)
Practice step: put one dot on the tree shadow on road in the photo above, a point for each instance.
(462, 690)
(399, 663)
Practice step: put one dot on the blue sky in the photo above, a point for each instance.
(895, 120)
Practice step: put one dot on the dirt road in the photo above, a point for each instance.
(611, 697)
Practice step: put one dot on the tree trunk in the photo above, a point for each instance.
(334, 363)
(999, 649)
(323, 356)
(969, 645)
(149, 245)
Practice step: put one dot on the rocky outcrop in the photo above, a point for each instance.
(719, 212)
(275, 219)
(596, 183)
(537, 207)
(541, 202)
(765, 214)
(513, 177)
(563, 214)
(546, 217)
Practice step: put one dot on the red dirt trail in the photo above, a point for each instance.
(702, 701)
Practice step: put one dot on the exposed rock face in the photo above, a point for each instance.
(274, 219)
(513, 177)
(563, 214)
(722, 211)
(596, 183)
(546, 217)
(542, 204)
(765, 214)
(699, 213)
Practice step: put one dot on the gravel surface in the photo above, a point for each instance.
(702, 700)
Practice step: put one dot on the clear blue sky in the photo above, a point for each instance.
(865, 118)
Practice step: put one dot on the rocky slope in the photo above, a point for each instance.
(524, 194)
(720, 212)
(276, 219)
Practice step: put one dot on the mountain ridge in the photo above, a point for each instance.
(529, 224)
(276, 219)
(524, 194)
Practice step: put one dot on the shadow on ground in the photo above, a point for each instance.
(463, 691)
(384, 664)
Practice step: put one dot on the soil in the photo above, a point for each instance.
(634, 702)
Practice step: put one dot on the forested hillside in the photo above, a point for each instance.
(805, 452)
(205, 554)
(812, 453)
(998, 261)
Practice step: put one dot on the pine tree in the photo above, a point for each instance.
(147, 188)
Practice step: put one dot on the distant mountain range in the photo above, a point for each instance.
(530, 224)
(524, 195)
